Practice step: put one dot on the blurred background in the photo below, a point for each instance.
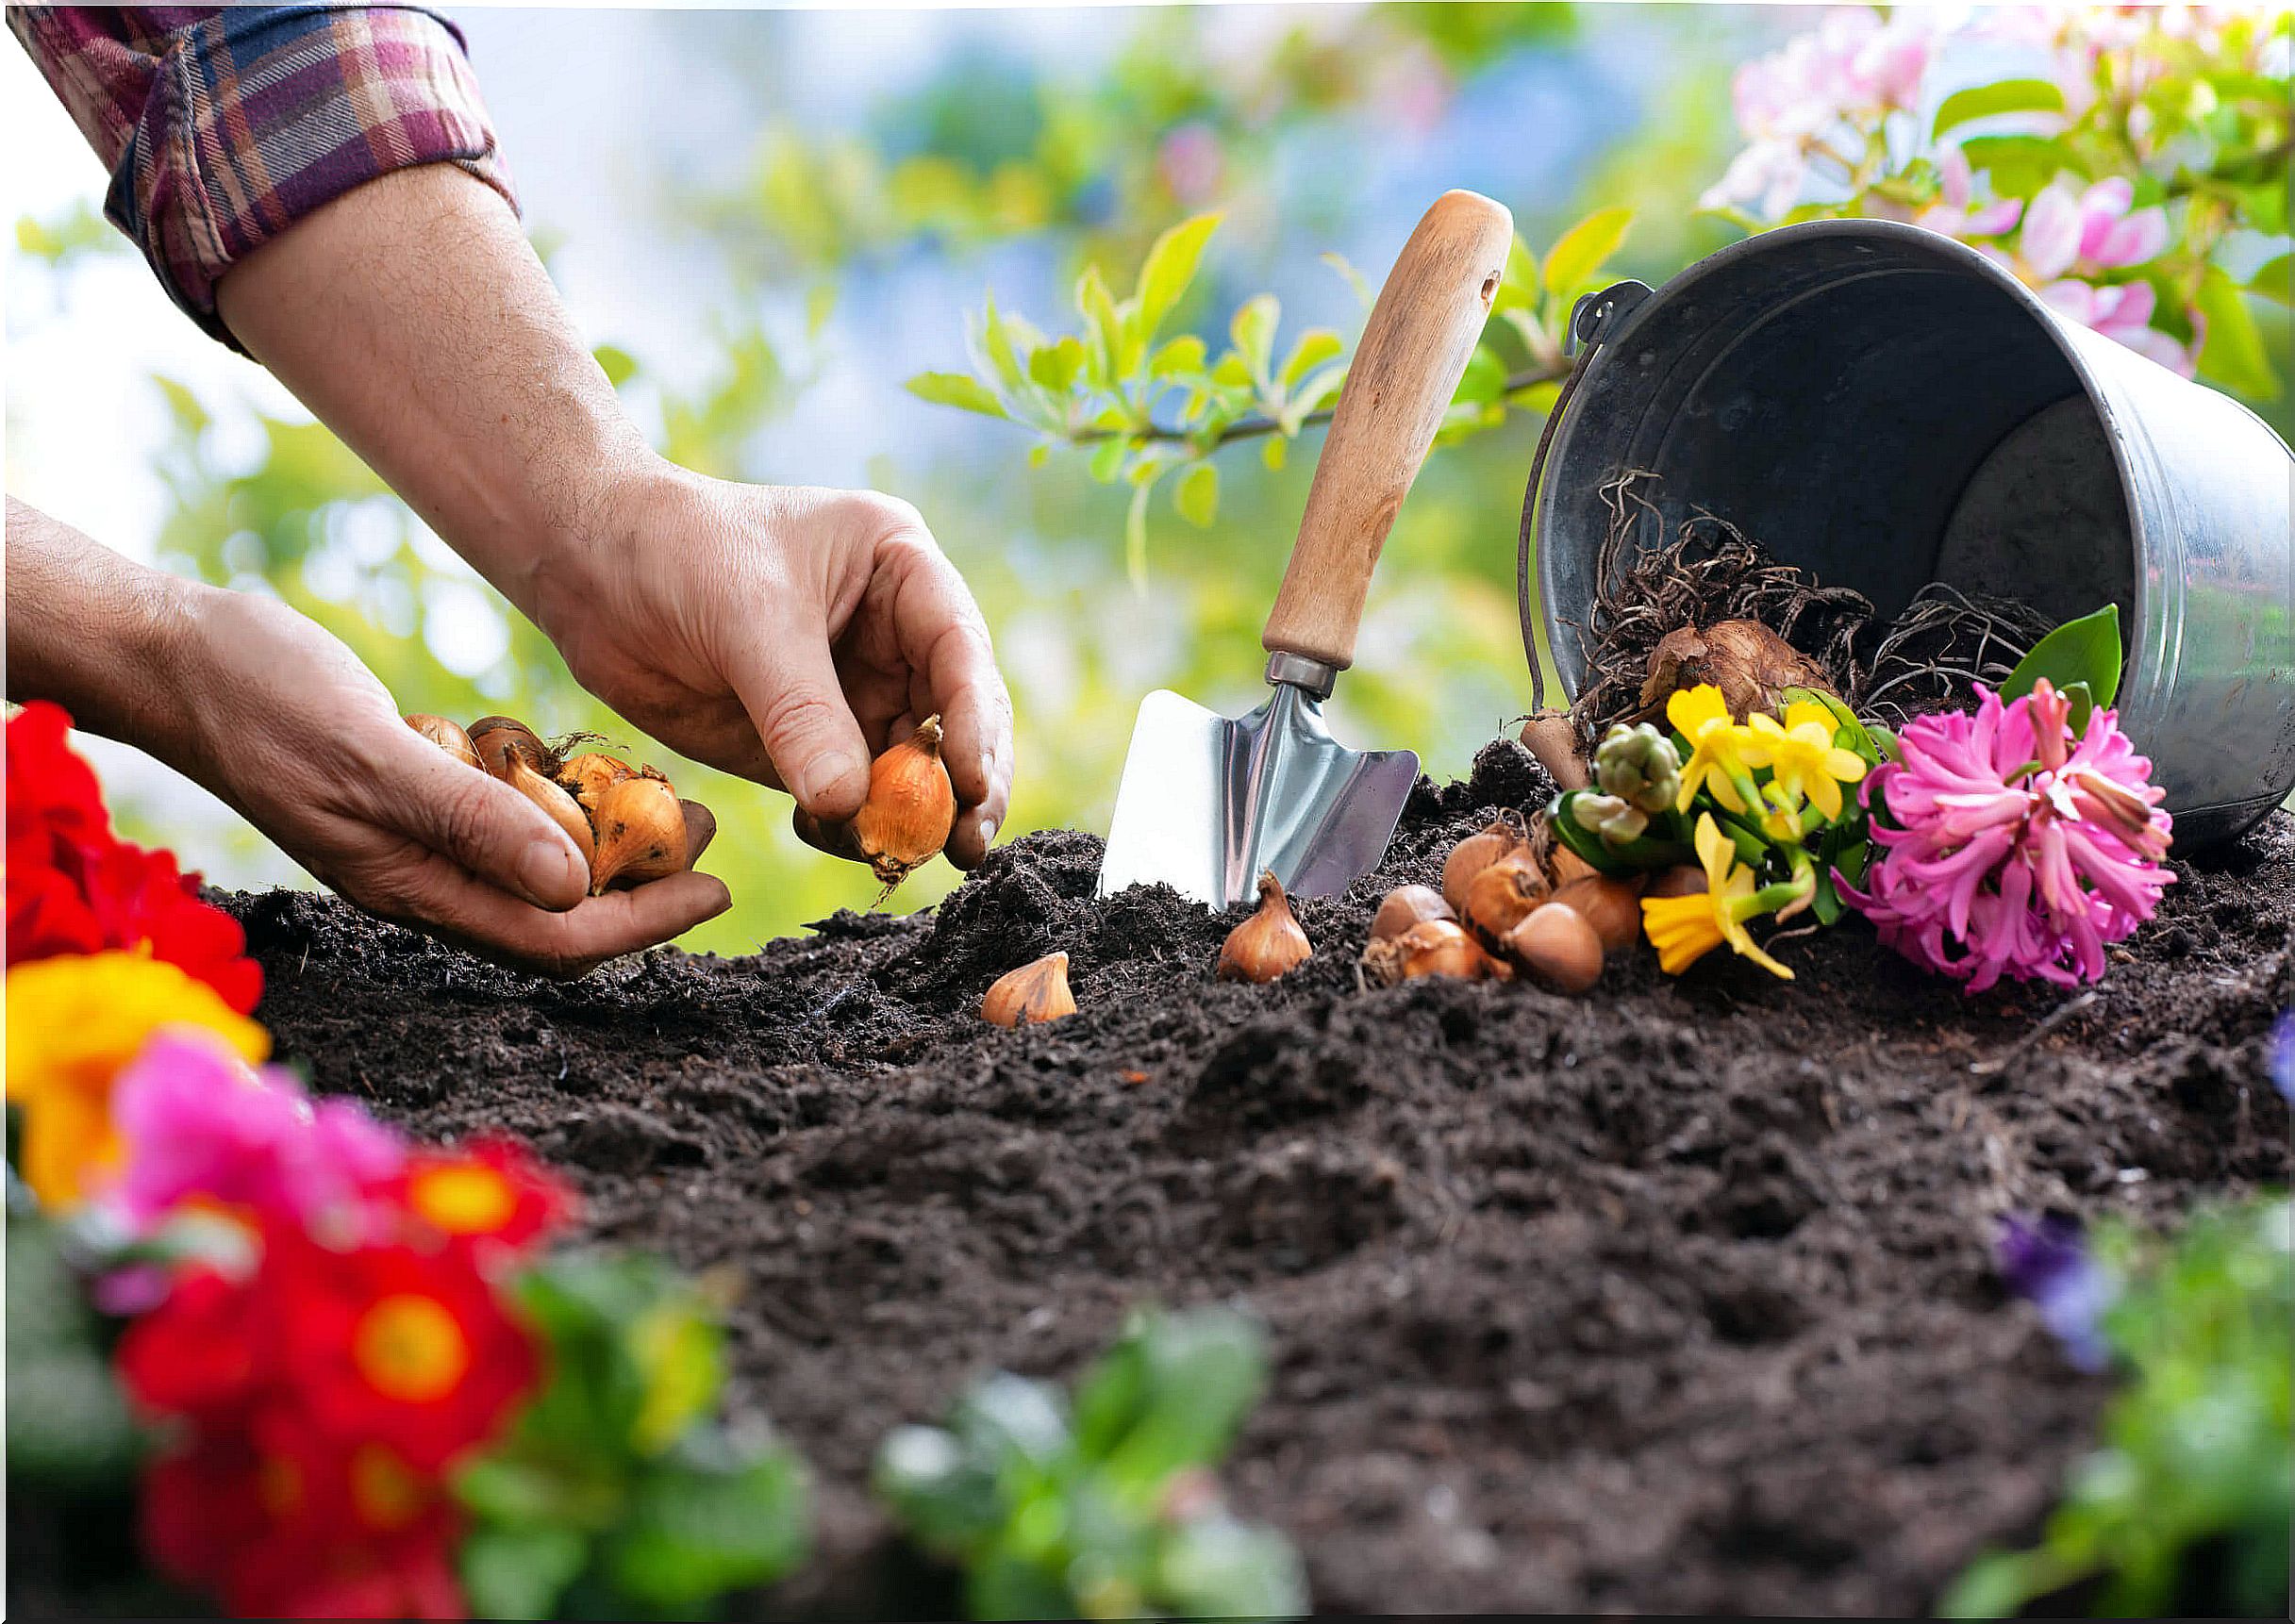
(768, 222)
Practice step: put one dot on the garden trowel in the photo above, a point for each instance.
(1207, 802)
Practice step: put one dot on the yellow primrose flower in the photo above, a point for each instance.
(1686, 929)
(1802, 757)
(1717, 744)
(74, 1023)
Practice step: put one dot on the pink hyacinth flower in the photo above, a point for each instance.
(200, 1125)
(2003, 845)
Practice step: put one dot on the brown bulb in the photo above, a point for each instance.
(1033, 992)
(1477, 851)
(1405, 906)
(491, 735)
(1566, 866)
(589, 774)
(1268, 944)
(1683, 880)
(1612, 906)
(1431, 947)
(1555, 945)
(1501, 896)
(446, 735)
(509, 763)
(641, 835)
(911, 806)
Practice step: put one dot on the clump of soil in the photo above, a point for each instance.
(1928, 657)
(1673, 1298)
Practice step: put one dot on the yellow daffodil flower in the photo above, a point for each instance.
(1686, 929)
(74, 1023)
(1717, 746)
(1802, 757)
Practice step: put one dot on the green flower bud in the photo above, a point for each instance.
(1617, 820)
(1638, 765)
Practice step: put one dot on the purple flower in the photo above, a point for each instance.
(2009, 847)
(200, 1126)
(2283, 1055)
(2047, 1264)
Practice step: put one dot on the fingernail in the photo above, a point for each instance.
(987, 830)
(546, 872)
(816, 776)
(987, 769)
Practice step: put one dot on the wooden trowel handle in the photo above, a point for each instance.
(1414, 350)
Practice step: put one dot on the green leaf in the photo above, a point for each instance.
(959, 389)
(1169, 1395)
(1253, 330)
(2234, 354)
(1519, 289)
(719, 1517)
(2083, 699)
(1826, 902)
(619, 365)
(1102, 326)
(1197, 495)
(1484, 380)
(2020, 165)
(519, 1572)
(1637, 858)
(2275, 281)
(1057, 365)
(1275, 450)
(1000, 341)
(2087, 651)
(1311, 349)
(190, 415)
(1180, 358)
(2001, 96)
(1170, 267)
(820, 304)
(1107, 463)
(1573, 260)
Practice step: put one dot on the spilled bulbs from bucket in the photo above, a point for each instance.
(1405, 906)
(1552, 738)
(1752, 666)
(1033, 992)
(642, 833)
(1431, 947)
(1469, 857)
(1612, 906)
(1555, 946)
(911, 806)
(1501, 896)
(1268, 944)
(446, 735)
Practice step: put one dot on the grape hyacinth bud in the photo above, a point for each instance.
(1638, 765)
(1617, 820)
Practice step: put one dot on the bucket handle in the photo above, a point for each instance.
(1590, 320)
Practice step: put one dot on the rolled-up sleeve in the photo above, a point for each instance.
(223, 125)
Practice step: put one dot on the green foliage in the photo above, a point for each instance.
(2184, 1509)
(1110, 1510)
(2083, 654)
(619, 1495)
(1142, 407)
(67, 1423)
(71, 234)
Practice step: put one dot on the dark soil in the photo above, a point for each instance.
(1676, 1297)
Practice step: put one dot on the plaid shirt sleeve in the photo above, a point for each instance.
(223, 125)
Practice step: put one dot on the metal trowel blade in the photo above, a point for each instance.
(1208, 801)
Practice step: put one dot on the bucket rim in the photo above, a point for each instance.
(1955, 254)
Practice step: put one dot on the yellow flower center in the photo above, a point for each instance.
(410, 1348)
(463, 1199)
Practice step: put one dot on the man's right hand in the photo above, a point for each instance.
(280, 720)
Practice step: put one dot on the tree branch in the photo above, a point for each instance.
(1258, 425)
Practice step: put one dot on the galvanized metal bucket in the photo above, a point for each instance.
(1886, 406)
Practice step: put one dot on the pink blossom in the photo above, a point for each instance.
(1957, 212)
(201, 1125)
(2121, 311)
(2092, 230)
(1792, 103)
(2005, 845)
(1191, 163)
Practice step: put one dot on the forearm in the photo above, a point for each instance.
(92, 631)
(413, 320)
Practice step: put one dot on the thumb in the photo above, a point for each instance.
(798, 707)
(476, 820)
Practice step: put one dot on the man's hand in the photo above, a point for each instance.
(282, 721)
(780, 632)
(245, 696)
(785, 635)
